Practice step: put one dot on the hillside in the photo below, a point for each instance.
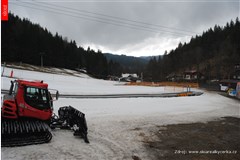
(214, 54)
(128, 64)
(26, 42)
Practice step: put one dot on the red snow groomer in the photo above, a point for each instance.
(27, 115)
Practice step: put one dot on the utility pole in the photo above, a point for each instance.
(4, 65)
(41, 54)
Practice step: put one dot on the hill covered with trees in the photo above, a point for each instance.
(127, 64)
(214, 54)
(23, 41)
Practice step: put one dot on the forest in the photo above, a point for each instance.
(214, 54)
(23, 41)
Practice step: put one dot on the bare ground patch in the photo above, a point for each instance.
(218, 140)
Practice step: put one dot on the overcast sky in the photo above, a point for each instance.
(130, 27)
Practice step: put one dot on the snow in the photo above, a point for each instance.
(115, 124)
(82, 84)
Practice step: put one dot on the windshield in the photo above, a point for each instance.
(37, 97)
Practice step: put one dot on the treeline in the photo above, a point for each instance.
(23, 41)
(126, 64)
(214, 54)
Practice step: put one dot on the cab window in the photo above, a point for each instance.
(37, 97)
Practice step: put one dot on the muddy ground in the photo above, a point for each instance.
(218, 140)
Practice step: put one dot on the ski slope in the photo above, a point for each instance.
(114, 124)
(77, 84)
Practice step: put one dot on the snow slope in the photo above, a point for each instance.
(80, 84)
(115, 125)
(71, 84)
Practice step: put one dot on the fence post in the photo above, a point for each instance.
(11, 74)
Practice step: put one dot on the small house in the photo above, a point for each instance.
(192, 75)
(174, 77)
(126, 77)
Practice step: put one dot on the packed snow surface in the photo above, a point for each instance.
(115, 124)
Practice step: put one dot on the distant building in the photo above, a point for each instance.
(192, 75)
(127, 77)
(226, 84)
(174, 77)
